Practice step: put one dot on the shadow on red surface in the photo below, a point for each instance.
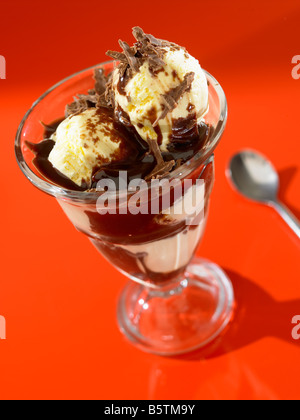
(257, 315)
(285, 178)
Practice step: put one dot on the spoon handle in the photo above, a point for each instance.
(287, 216)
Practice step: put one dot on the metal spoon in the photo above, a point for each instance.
(256, 178)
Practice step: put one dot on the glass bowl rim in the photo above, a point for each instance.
(188, 167)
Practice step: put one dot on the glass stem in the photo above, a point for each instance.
(170, 289)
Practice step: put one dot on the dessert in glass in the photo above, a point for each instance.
(126, 147)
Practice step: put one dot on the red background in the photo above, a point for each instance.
(59, 296)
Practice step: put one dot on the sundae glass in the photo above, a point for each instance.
(174, 302)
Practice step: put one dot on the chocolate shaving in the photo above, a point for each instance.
(128, 57)
(122, 69)
(116, 55)
(104, 96)
(140, 36)
(162, 168)
(130, 54)
(155, 150)
(101, 80)
(171, 98)
(178, 163)
(154, 57)
(102, 102)
(154, 41)
(77, 107)
(82, 103)
(48, 128)
(150, 49)
(92, 98)
(109, 93)
(96, 97)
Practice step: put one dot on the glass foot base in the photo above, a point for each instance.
(181, 319)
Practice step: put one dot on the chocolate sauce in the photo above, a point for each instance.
(184, 151)
(185, 129)
(123, 80)
(121, 116)
(175, 75)
(152, 117)
(44, 166)
(186, 140)
(51, 128)
(156, 70)
(130, 263)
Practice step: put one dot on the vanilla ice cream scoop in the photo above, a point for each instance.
(165, 100)
(83, 142)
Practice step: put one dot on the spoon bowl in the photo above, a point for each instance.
(255, 177)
